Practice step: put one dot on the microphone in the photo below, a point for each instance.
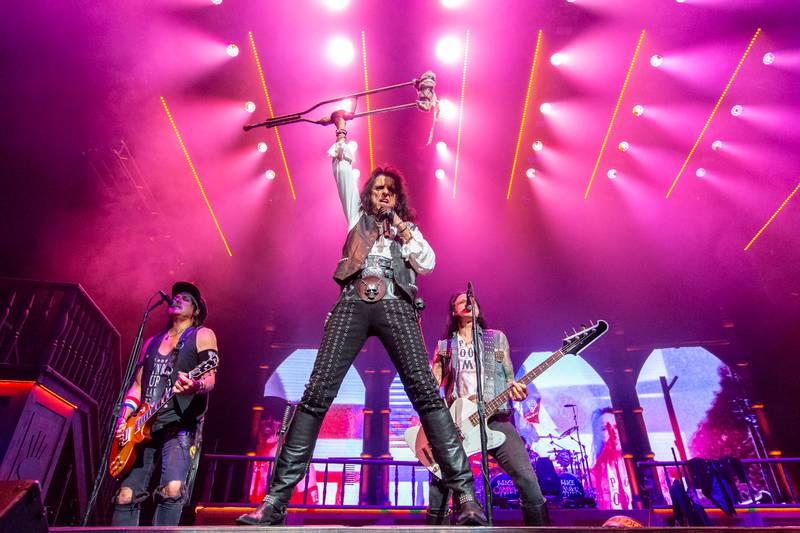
(569, 405)
(470, 296)
(165, 298)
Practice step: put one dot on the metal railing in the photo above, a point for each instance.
(227, 481)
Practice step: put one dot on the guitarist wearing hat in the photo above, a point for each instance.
(163, 368)
(454, 369)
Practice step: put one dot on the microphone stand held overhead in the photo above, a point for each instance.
(478, 353)
(426, 100)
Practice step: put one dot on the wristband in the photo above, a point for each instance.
(131, 402)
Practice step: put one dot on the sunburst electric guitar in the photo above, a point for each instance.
(137, 428)
(465, 412)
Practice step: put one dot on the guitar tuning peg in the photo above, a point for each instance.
(566, 334)
(591, 323)
(574, 331)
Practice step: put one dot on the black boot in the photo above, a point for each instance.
(535, 515)
(289, 469)
(456, 474)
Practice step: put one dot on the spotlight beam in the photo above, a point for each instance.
(786, 201)
(461, 111)
(524, 111)
(194, 173)
(614, 114)
(366, 89)
(713, 112)
(271, 114)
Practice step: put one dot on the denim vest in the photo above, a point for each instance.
(495, 373)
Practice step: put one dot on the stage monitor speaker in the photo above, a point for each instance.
(21, 507)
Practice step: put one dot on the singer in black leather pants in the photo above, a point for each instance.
(382, 255)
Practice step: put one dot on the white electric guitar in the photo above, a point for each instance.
(465, 412)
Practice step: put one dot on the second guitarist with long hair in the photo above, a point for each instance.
(454, 368)
(165, 363)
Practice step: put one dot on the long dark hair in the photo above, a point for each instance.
(452, 319)
(401, 207)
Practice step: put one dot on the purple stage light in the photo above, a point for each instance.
(700, 172)
(656, 60)
(448, 49)
(341, 51)
(737, 110)
(768, 59)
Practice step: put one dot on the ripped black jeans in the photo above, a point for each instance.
(174, 448)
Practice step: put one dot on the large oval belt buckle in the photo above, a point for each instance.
(371, 288)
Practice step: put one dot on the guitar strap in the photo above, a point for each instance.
(171, 370)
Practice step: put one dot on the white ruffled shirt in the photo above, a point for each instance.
(417, 251)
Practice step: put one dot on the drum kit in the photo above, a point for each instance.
(563, 473)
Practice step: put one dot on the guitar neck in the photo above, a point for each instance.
(501, 399)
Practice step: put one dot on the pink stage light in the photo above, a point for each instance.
(656, 60)
(261, 147)
(638, 110)
(737, 110)
(447, 109)
(216, 2)
(768, 59)
(356, 173)
(440, 174)
(558, 59)
(700, 172)
(353, 145)
(336, 5)
(341, 51)
(612, 174)
(546, 108)
(716, 145)
(452, 4)
(448, 49)
(250, 107)
(624, 146)
(345, 105)
(537, 146)
(269, 174)
(441, 147)
(232, 50)
(531, 173)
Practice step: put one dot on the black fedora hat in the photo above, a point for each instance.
(191, 288)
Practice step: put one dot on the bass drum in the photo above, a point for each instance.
(571, 487)
(504, 492)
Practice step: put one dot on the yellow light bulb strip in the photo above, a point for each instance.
(614, 115)
(461, 111)
(366, 88)
(749, 244)
(194, 173)
(713, 112)
(524, 111)
(271, 114)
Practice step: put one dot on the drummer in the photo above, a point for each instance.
(454, 368)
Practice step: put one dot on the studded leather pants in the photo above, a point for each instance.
(351, 322)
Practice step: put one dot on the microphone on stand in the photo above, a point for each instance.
(469, 296)
(165, 298)
(569, 405)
